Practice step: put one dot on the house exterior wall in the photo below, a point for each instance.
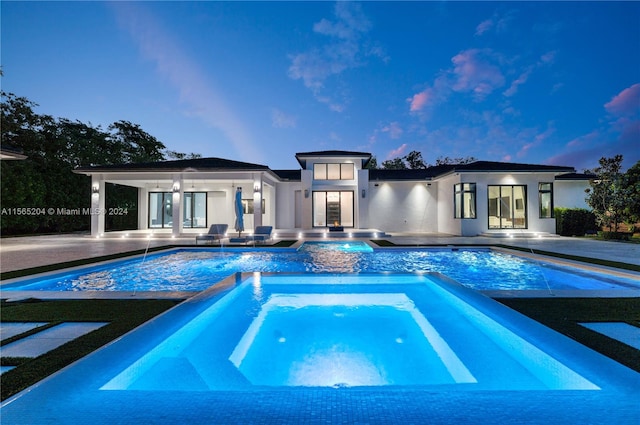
(480, 224)
(402, 206)
(570, 193)
(420, 206)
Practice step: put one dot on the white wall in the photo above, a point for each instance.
(285, 208)
(570, 193)
(402, 207)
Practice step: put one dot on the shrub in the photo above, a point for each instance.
(575, 221)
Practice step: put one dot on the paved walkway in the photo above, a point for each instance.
(26, 252)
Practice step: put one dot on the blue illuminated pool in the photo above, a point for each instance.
(198, 269)
(309, 348)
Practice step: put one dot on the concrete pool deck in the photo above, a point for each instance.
(33, 251)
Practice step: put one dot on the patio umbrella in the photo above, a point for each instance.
(239, 211)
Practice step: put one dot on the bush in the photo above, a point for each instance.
(616, 236)
(575, 221)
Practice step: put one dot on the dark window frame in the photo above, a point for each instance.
(459, 191)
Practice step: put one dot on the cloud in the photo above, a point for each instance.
(626, 103)
(344, 49)
(394, 130)
(497, 22)
(197, 93)
(281, 120)
(484, 26)
(475, 71)
(419, 100)
(538, 140)
(398, 152)
(619, 135)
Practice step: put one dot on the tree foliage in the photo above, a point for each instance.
(54, 147)
(614, 196)
(414, 161)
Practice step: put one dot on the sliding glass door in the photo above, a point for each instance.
(507, 207)
(333, 208)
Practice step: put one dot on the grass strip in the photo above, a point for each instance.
(122, 315)
(564, 314)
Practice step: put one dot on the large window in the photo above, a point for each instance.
(331, 208)
(195, 210)
(545, 199)
(464, 200)
(160, 209)
(507, 207)
(333, 171)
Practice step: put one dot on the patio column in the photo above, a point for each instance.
(257, 201)
(178, 193)
(97, 205)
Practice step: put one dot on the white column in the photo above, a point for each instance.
(177, 189)
(97, 205)
(143, 208)
(362, 203)
(257, 201)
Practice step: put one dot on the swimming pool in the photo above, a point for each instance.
(466, 359)
(198, 269)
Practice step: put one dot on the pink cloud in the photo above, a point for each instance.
(474, 72)
(484, 26)
(397, 152)
(625, 103)
(419, 100)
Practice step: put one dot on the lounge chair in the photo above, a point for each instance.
(261, 234)
(216, 233)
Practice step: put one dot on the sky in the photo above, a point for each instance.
(529, 82)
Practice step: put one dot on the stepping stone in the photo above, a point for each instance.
(621, 331)
(47, 340)
(9, 329)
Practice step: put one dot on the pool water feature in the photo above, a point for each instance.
(196, 363)
(198, 269)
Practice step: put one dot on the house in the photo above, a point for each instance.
(335, 188)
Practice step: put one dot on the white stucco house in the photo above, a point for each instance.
(335, 188)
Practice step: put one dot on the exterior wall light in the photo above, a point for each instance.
(176, 188)
(95, 189)
(364, 193)
(306, 193)
(256, 188)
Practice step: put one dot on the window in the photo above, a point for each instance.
(195, 210)
(333, 171)
(545, 199)
(160, 209)
(464, 200)
(247, 206)
(507, 207)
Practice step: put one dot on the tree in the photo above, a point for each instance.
(631, 193)
(394, 164)
(454, 161)
(372, 164)
(415, 161)
(54, 147)
(606, 194)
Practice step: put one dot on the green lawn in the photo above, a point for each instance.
(564, 314)
(122, 315)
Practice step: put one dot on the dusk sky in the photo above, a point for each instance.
(530, 82)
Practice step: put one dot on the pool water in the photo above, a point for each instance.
(198, 269)
(345, 331)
